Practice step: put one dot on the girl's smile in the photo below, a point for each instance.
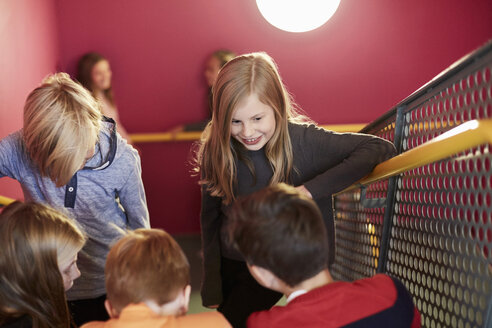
(253, 141)
(253, 123)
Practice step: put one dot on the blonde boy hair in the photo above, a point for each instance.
(145, 265)
(254, 73)
(62, 121)
(34, 240)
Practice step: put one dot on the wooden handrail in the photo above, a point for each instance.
(467, 135)
(190, 136)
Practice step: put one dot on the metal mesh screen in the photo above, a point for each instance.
(358, 228)
(358, 236)
(464, 100)
(435, 233)
(441, 238)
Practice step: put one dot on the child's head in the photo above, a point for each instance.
(281, 230)
(94, 72)
(147, 265)
(243, 76)
(243, 85)
(61, 127)
(215, 62)
(39, 247)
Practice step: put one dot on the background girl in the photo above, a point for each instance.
(67, 156)
(214, 63)
(94, 73)
(37, 265)
(256, 139)
(212, 67)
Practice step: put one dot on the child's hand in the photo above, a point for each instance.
(304, 191)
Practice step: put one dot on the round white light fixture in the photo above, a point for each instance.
(297, 15)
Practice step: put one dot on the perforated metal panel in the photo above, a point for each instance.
(441, 238)
(466, 99)
(358, 228)
(358, 235)
(436, 233)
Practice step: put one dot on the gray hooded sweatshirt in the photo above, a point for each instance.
(105, 195)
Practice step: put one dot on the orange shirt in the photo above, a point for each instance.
(139, 315)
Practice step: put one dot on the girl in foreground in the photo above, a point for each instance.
(256, 139)
(37, 265)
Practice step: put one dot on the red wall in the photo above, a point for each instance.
(371, 52)
(368, 57)
(28, 52)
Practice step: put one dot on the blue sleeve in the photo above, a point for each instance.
(132, 197)
(10, 158)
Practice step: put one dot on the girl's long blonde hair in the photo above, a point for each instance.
(34, 239)
(61, 123)
(254, 73)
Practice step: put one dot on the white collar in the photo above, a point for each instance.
(295, 294)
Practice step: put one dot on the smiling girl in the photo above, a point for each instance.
(256, 139)
(94, 73)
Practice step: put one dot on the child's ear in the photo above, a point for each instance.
(186, 294)
(110, 309)
(264, 277)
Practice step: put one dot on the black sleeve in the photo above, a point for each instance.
(198, 126)
(339, 159)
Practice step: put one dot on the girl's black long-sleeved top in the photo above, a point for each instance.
(325, 162)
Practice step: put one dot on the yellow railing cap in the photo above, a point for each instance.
(195, 135)
(5, 200)
(467, 135)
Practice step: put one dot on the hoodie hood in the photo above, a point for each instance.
(104, 154)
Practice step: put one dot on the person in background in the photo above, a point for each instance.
(148, 284)
(94, 73)
(69, 156)
(38, 263)
(290, 255)
(212, 67)
(214, 63)
(256, 139)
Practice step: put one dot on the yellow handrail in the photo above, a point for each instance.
(467, 135)
(190, 136)
(165, 136)
(5, 201)
(355, 127)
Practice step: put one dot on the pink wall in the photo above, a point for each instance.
(368, 57)
(371, 52)
(28, 52)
